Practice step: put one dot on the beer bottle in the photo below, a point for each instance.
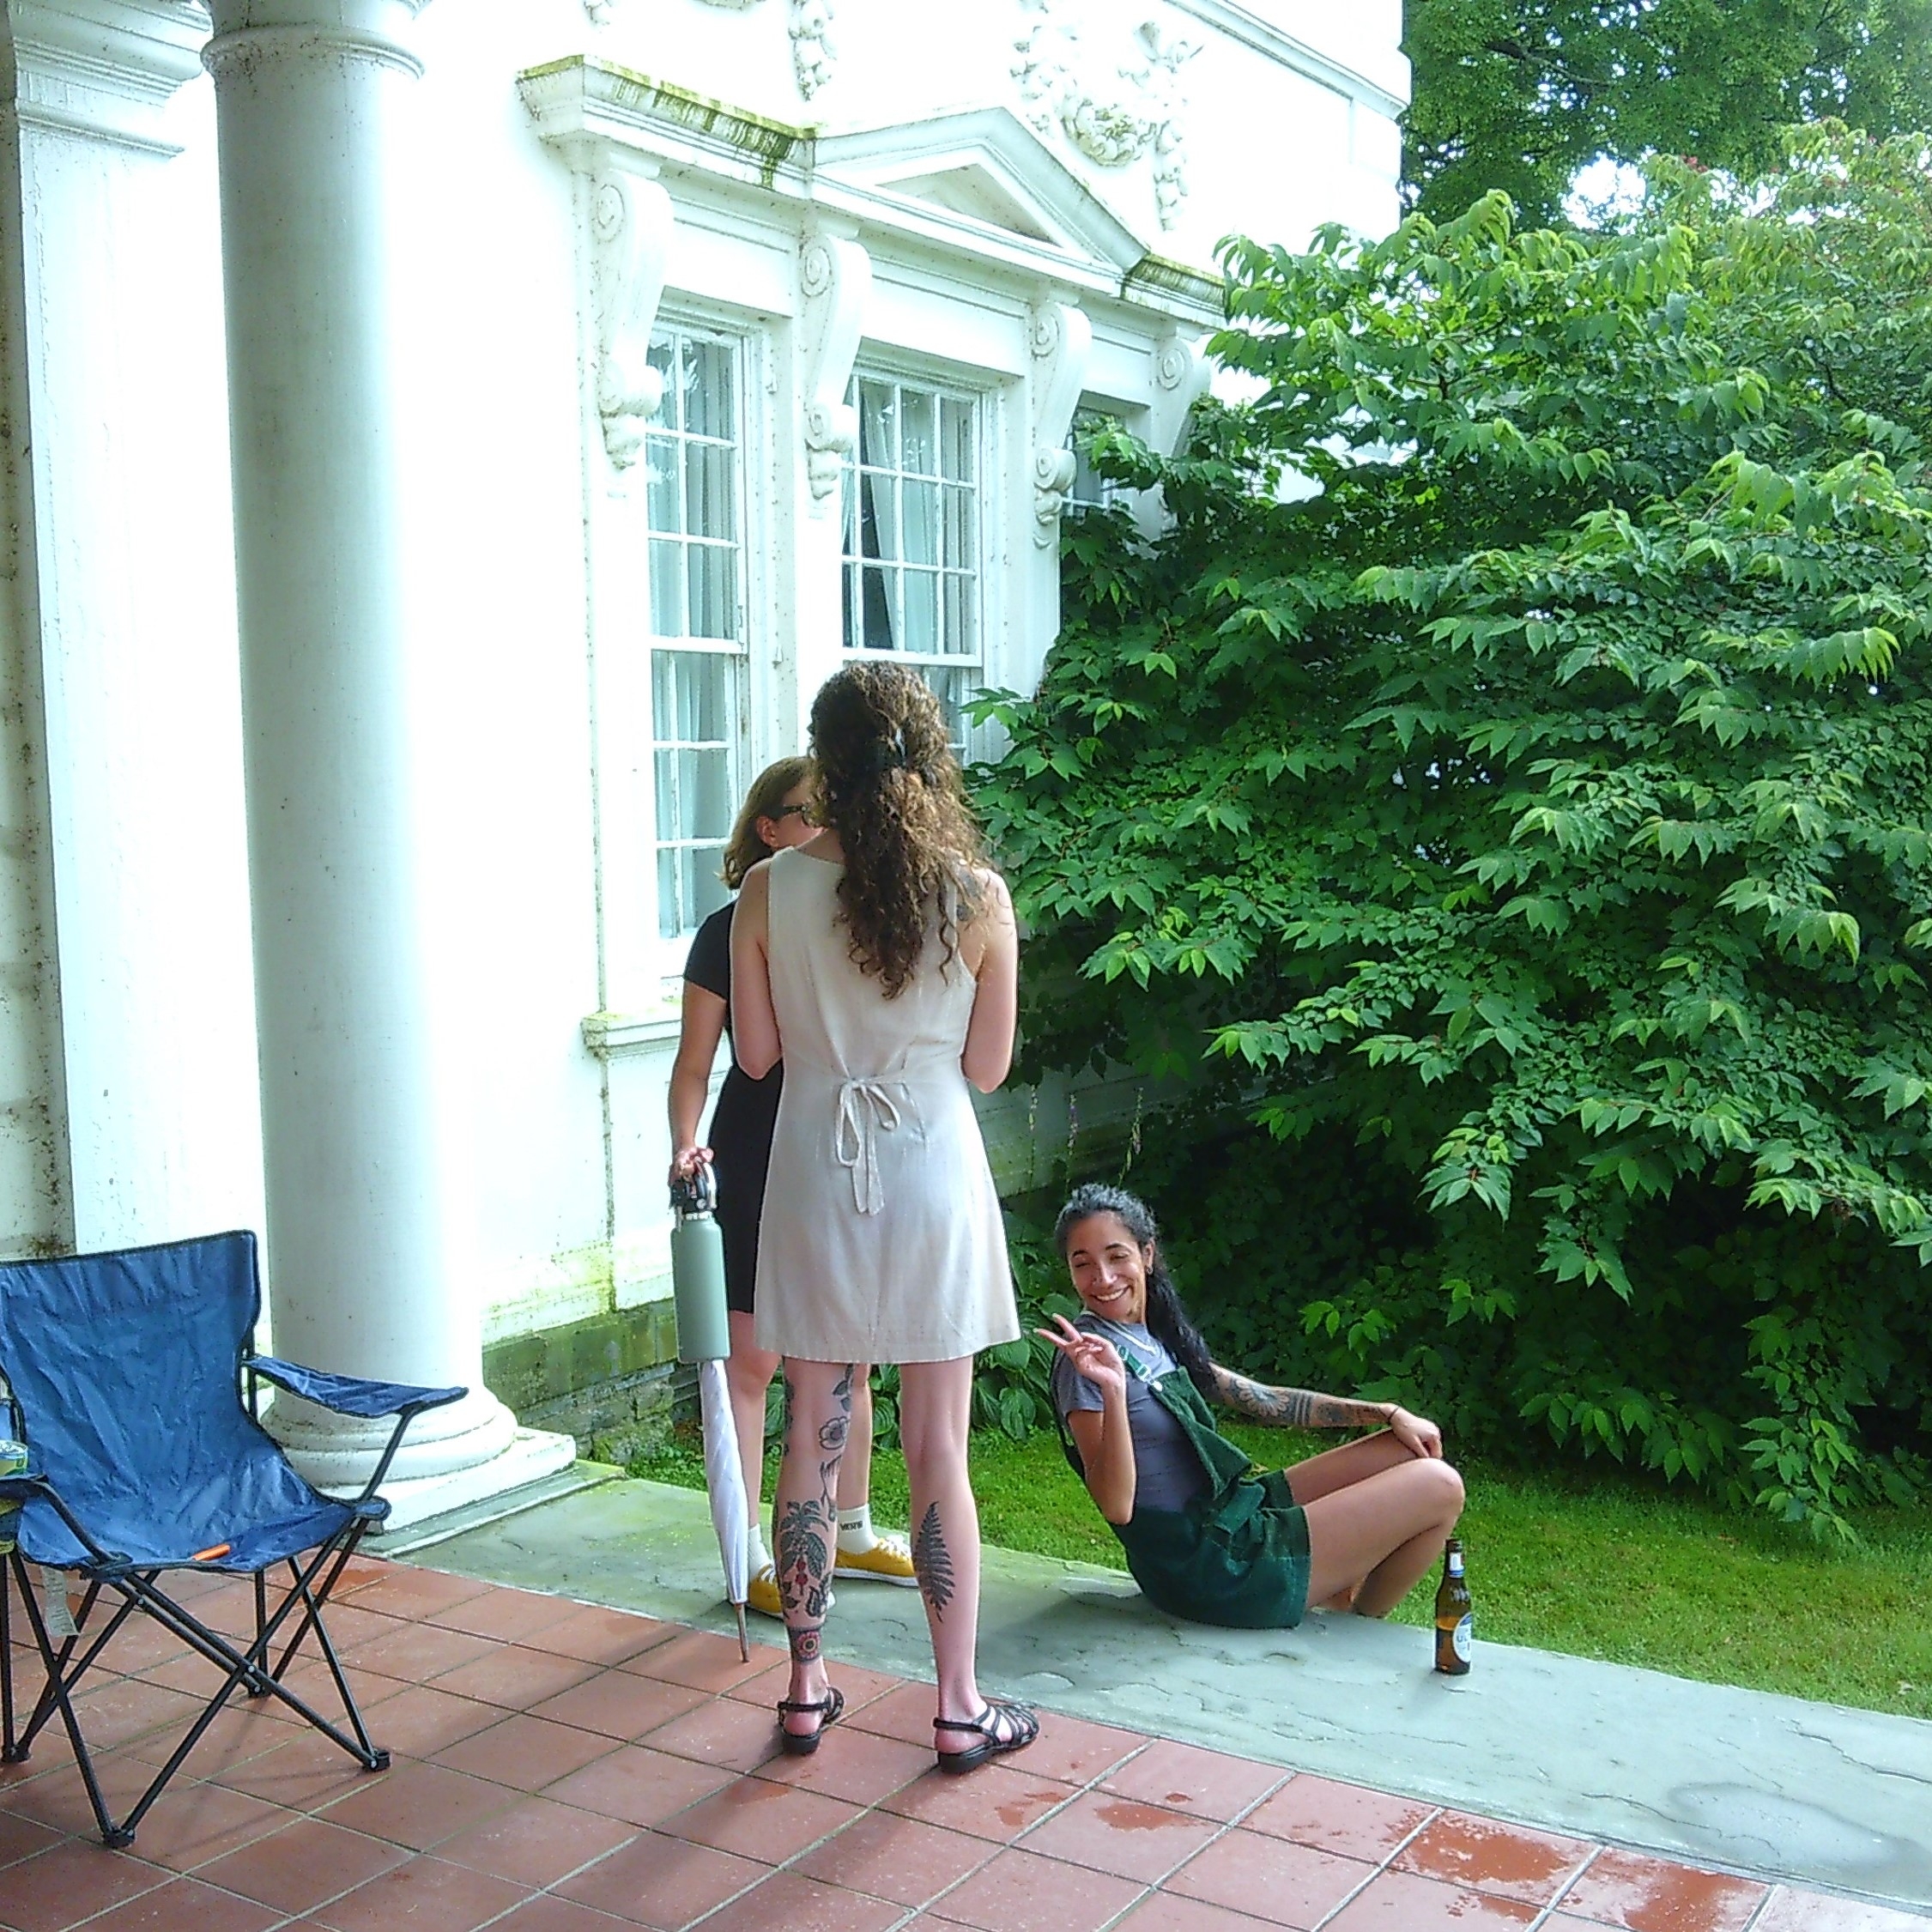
(1455, 1619)
(13, 1460)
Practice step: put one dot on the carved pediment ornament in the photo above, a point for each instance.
(631, 222)
(1112, 120)
(809, 22)
(835, 277)
(1061, 338)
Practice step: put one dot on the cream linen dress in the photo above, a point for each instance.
(882, 1238)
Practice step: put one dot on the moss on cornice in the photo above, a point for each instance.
(768, 144)
(1160, 274)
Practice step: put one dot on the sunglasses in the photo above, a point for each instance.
(785, 812)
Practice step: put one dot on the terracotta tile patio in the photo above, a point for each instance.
(564, 1768)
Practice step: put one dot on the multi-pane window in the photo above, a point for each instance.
(1090, 490)
(912, 535)
(696, 621)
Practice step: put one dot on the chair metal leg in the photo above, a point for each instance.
(57, 1696)
(6, 1662)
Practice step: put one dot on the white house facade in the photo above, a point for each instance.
(443, 447)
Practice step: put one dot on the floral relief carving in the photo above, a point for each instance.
(810, 25)
(812, 51)
(1133, 112)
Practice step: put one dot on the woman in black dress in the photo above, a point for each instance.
(777, 813)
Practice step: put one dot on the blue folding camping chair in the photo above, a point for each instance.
(132, 1378)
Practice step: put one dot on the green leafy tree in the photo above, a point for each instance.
(1519, 95)
(1545, 802)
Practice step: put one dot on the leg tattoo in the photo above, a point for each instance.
(802, 1549)
(832, 1435)
(804, 1645)
(932, 1563)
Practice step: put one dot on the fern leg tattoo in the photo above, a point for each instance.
(932, 1563)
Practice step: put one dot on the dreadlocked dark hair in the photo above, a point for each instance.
(1167, 1320)
(891, 791)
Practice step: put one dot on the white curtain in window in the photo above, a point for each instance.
(878, 529)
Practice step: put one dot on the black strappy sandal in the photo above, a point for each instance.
(995, 1742)
(828, 1710)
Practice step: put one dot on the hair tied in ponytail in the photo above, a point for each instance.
(890, 755)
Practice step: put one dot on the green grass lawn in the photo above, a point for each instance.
(1598, 1566)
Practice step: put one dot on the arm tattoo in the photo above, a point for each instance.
(1293, 1409)
(932, 1563)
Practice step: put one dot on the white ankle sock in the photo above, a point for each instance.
(855, 1533)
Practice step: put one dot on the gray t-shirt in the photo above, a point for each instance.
(1167, 1474)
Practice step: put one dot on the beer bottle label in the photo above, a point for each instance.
(1464, 1638)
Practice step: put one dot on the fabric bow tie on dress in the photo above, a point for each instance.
(864, 1108)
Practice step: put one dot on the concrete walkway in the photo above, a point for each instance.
(1769, 1785)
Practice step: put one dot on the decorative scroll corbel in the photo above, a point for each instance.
(1061, 338)
(836, 276)
(631, 222)
(1181, 374)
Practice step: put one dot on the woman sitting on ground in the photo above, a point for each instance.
(1207, 1536)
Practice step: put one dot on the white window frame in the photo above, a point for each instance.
(746, 349)
(989, 494)
(1090, 490)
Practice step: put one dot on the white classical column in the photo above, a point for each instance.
(358, 1188)
(127, 848)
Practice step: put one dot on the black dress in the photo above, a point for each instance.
(741, 1127)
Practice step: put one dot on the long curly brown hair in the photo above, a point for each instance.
(892, 791)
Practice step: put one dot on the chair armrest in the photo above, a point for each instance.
(24, 1487)
(349, 1395)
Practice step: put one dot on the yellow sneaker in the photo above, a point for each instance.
(888, 1561)
(761, 1595)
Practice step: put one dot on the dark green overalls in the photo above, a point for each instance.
(1238, 1555)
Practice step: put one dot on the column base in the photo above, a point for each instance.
(530, 1456)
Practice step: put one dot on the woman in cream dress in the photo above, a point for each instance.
(881, 960)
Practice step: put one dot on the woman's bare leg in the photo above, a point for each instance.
(747, 1373)
(1379, 1533)
(805, 1518)
(935, 1403)
(1338, 1469)
(855, 1473)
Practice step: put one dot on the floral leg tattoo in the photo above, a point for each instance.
(802, 1543)
(932, 1563)
(806, 1533)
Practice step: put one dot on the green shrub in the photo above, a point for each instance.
(1541, 805)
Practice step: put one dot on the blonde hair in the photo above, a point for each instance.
(765, 800)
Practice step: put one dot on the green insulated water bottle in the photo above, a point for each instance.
(703, 1333)
(13, 1460)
